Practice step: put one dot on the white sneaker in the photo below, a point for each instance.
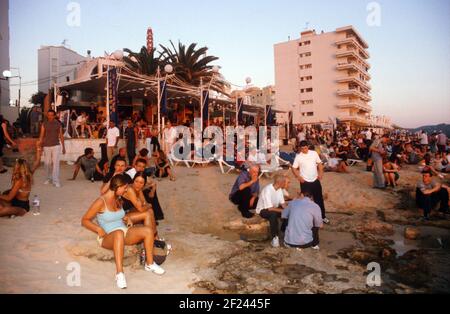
(47, 181)
(326, 221)
(154, 268)
(275, 242)
(57, 185)
(316, 248)
(120, 281)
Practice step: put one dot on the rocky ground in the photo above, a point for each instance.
(216, 251)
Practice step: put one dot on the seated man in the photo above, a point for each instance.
(81, 122)
(139, 166)
(245, 191)
(122, 154)
(335, 164)
(88, 163)
(119, 168)
(304, 220)
(271, 203)
(429, 193)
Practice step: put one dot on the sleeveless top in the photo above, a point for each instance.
(111, 221)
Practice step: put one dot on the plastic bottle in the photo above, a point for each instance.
(36, 206)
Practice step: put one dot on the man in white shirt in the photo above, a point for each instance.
(112, 139)
(169, 134)
(423, 138)
(271, 204)
(368, 135)
(81, 122)
(308, 169)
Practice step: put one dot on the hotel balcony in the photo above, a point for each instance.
(356, 119)
(354, 93)
(352, 53)
(355, 105)
(353, 67)
(355, 43)
(356, 80)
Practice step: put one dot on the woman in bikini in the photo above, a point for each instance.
(15, 202)
(115, 229)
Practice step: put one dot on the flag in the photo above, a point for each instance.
(205, 107)
(113, 95)
(240, 108)
(270, 116)
(163, 103)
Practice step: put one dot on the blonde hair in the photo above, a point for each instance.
(22, 171)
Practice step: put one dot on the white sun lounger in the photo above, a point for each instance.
(223, 164)
(175, 161)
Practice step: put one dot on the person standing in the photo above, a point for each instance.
(51, 139)
(112, 139)
(378, 151)
(35, 116)
(424, 139)
(4, 138)
(308, 169)
(442, 142)
(131, 135)
(169, 135)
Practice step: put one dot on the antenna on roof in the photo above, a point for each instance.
(306, 26)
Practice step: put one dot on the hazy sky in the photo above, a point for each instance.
(410, 49)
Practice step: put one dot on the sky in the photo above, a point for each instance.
(409, 40)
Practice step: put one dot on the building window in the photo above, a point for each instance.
(306, 78)
(306, 90)
(54, 65)
(307, 114)
(305, 66)
(307, 102)
(306, 54)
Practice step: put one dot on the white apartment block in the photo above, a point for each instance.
(57, 64)
(320, 77)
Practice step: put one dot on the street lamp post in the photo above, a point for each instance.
(167, 69)
(8, 75)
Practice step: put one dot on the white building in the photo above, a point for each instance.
(57, 64)
(8, 112)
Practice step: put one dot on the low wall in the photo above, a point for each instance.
(75, 148)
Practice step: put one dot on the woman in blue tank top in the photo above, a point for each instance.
(115, 230)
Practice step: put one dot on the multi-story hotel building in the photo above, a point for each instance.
(320, 77)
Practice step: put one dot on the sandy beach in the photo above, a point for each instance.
(35, 250)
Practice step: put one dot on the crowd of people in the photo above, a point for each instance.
(128, 210)
(317, 150)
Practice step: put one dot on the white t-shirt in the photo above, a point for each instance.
(424, 139)
(333, 162)
(169, 135)
(132, 172)
(111, 135)
(369, 135)
(80, 120)
(269, 197)
(308, 165)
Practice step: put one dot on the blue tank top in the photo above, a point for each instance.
(111, 221)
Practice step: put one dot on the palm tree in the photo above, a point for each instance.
(192, 65)
(143, 62)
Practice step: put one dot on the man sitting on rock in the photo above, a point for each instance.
(271, 203)
(245, 191)
(429, 193)
(304, 220)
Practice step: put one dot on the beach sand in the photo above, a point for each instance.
(35, 250)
